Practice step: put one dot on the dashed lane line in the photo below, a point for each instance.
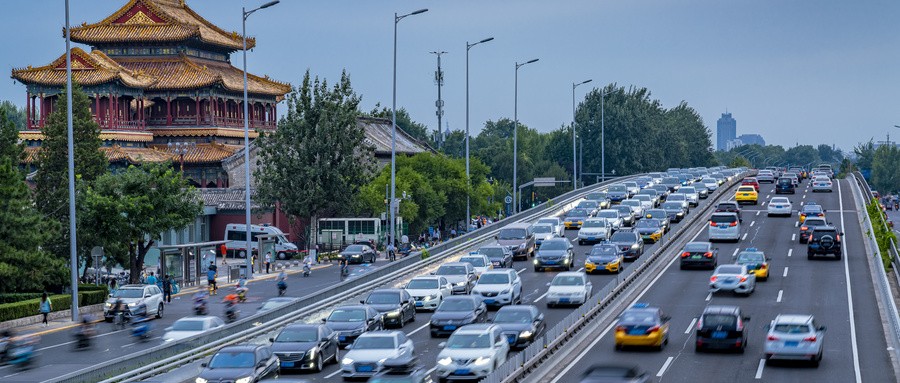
(780, 293)
(784, 275)
(665, 366)
(691, 326)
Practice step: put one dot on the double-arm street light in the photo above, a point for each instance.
(73, 255)
(244, 15)
(603, 134)
(391, 204)
(516, 131)
(574, 161)
(469, 181)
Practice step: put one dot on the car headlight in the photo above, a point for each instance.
(525, 334)
(108, 305)
(381, 361)
(445, 361)
(463, 283)
(505, 291)
(200, 380)
(431, 297)
(346, 361)
(394, 313)
(244, 380)
(522, 246)
(535, 261)
(634, 246)
(482, 361)
(312, 353)
(132, 304)
(357, 331)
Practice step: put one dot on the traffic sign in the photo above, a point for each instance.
(508, 199)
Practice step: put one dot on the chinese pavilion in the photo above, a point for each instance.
(161, 86)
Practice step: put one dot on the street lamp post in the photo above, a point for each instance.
(397, 19)
(574, 162)
(469, 181)
(516, 132)
(181, 149)
(603, 135)
(244, 15)
(73, 255)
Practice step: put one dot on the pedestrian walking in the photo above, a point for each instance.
(45, 308)
(151, 280)
(167, 289)
(268, 261)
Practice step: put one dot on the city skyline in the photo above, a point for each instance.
(782, 73)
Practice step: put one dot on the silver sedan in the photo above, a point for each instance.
(780, 206)
(734, 278)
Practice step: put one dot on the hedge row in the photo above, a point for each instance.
(883, 235)
(18, 297)
(59, 302)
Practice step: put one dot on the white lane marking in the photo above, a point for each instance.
(780, 293)
(609, 328)
(804, 196)
(331, 375)
(691, 326)
(855, 348)
(758, 211)
(540, 297)
(744, 237)
(784, 275)
(759, 370)
(793, 237)
(665, 366)
(735, 252)
(752, 223)
(519, 271)
(708, 297)
(801, 203)
(790, 251)
(796, 224)
(418, 329)
(763, 204)
(63, 344)
(132, 344)
(580, 270)
(429, 372)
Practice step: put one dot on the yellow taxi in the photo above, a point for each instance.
(811, 210)
(642, 326)
(606, 257)
(746, 194)
(575, 218)
(756, 262)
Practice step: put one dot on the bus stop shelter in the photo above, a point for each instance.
(187, 263)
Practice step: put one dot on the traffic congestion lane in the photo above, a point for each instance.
(684, 294)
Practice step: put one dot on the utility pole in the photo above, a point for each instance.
(439, 81)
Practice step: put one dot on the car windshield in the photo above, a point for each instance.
(672, 206)
(513, 316)
(494, 279)
(726, 206)
(474, 261)
(751, 257)
(587, 204)
(687, 190)
(129, 293)
(780, 200)
(643, 197)
(451, 270)
(818, 234)
(595, 223)
(623, 209)
(716, 320)
(812, 209)
(382, 298)
(511, 234)
(785, 181)
(638, 317)
(622, 236)
(617, 189)
(374, 343)
(631, 202)
(187, 325)
(696, 247)
(730, 269)
(792, 328)
(354, 249)
(542, 229)
(457, 305)
(298, 335)
(550, 221)
(555, 245)
(723, 218)
(610, 372)
(422, 284)
(596, 196)
(814, 222)
(604, 250)
(241, 359)
(671, 180)
(746, 189)
(491, 252)
(648, 224)
(567, 280)
(608, 214)
(656, 213)
(676, 197)
(347, 315)
(458, 341)
(576, 213)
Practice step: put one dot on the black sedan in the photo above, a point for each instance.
(630, 242)
(609, 373)
(358, 254)
(699, 254)
(520, 324)
(500, 256)
(455, 312)
(305, 347)
(253, 361)
(397, 306)
(675, 211)
(352, 320)
(721, 327)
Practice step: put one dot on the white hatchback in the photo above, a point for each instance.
(569, 288)
(472, 352)
(480, 262)
(780, 206)
(499, 287)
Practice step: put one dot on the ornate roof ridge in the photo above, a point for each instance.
(106, 69)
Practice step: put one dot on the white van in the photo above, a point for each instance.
(724, 226)
(236, 235)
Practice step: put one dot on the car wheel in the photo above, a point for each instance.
(319, 363)
(413, 317)
(838, 256)
(282, 255)
(537, 269)
(159, 311)
(809, 255)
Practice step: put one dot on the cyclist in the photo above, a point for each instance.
(211, 278)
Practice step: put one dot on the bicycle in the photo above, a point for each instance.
(212, 287)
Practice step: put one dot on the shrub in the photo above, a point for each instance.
(25, 308)
(425, 254)
(17, 297)
(883, 235)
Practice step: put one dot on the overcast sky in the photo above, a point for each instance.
(794, 71)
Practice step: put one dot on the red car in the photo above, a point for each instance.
(752, 182)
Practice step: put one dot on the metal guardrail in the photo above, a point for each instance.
(517, 368)
(883, 283)
(164, 357)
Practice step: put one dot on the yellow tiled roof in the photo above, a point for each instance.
(134, 155)
(201, 132)
(87, 69)
(157, 21)
(203, 153)
(105, 135)
(184, 72)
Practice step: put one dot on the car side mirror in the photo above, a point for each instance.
(362, 301)
(490, 318)
(821, 328)
(272, 340)
(261, 365)
(168, 328)
(204, 364)
(324, 320)
(665, 318)
(497, 237)
(147, 295)
(349, 346)
(442, 344)
(746, 319)
(548, 283)
(432, 273)
(842, 233)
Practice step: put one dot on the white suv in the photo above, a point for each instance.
(472, 352)
(134, 296)
(499, 287)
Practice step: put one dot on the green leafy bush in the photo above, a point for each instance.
(883, 235)
(18, 297)
(89, 295)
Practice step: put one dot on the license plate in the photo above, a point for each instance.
(696, 256)
(591, 238)
(729, 280)
(419, 304)
(489, 301)
(563, 300)
(287, 364)
(461, 371)
(778, 206)
(550, 262)
(745, 195)
(791, 344)
(719, 334)
(364, 369)
(496, 263)
(723, 227)
(342, 338)
(449, 328)
(636, 332)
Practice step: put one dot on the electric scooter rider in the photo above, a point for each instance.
(200, 300)
(281, 281)
(307, 265)
(141, 324)
(85, 333)
(231, 311)
(241, 289)
(118, 311)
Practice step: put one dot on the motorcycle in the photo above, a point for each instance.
(282, 286)
(200, 305)
(21, 355)
(306, 270)
(82, 340)
(231, 313)
(141, 329)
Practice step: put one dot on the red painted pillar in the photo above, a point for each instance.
(97, 108)
(197, 112)
(43, 109)
(27, 110)
(109, 111)
(169, 111)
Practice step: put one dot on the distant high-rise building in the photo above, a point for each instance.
(726, 130)
(752, 139)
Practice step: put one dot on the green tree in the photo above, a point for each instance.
(418, 130)
(9, 139)
(886, 169)
(802, 155)
(455, 145)
(15, 114)
(136, 205)
(829, 154)
(317, 160)
(739, 161)
(51, 181)
(865, 154)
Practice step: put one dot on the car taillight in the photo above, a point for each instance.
(809, 339)
(711, 223)
(707, 254)
(620, 328)
(713, 278)
(654, 329)
(744, 279)
(685, 254)
(763, 266)
(733, 224)
(772, 337)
